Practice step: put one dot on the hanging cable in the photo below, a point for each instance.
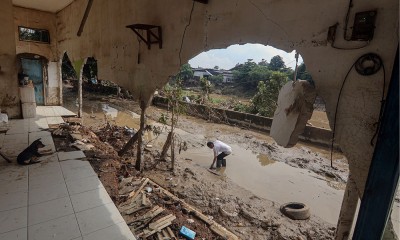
(363, 70)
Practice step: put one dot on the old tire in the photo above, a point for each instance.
(296, 210)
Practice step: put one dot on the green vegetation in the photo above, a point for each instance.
(258, 82)
(265, 100)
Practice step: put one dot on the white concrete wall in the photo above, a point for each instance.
(301, 25)
(36, 19)
(41, 20)
(9, 95)
(53, 92)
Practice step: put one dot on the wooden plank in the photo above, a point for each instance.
(171, 234)
(219, 230)
(155, 225)
(149, 233)
(140, 189)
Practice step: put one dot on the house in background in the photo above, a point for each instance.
(208, 72)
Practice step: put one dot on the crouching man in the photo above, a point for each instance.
(221, 150)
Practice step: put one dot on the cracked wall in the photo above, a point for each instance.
(288, 25)
(9, 96)
(41, 20)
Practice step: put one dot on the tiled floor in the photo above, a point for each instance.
(60, 198)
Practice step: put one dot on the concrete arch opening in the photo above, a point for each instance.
(233, 89)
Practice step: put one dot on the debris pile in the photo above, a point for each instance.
(150, 210)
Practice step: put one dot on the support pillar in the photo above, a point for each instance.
(348, 210)
(383, 175)
(140, 147)
(80, 88)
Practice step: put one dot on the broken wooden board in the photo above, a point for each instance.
(218, 229)
(133, 195)
(136, 205)
(223, 232)
(165, 234)
(76, 136)
(158, 226)
(161, 222)
(74, 120)
(142, 221)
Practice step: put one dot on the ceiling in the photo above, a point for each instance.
(43, 5)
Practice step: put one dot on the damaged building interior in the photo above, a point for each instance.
(351, 48)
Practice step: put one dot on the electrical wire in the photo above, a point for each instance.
(369, 56)
(346, 23)
(383, 101)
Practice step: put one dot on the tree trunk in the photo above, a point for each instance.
(172, 152)
(129, 144)
(166, 146)
(80, 92)
(140, 147)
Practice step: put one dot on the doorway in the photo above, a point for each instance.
(34, 69)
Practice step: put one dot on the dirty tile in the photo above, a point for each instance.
(46, 193)
(55, 120)
(37, 125)
(94, 219)
(13, 219)
(39, 213)
(13, 200)
(49, 158)
(12, 139)
(40, 111)
(44, 179)
(18, 129)
(62, 156)
(61, 111)
(116, 232)
(83, 185)
(74, 164)
(14, 185)
(36, 135)
(12, 150)
(20, 234)
(49, 112)
(44, 167)
(71, 173)
(64, 228)
(13, 172)
(90, 199)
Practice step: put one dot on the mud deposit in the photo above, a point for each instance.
(259, 177)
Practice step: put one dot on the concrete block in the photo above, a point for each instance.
(295, 107)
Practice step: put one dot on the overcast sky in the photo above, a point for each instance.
(229, 57)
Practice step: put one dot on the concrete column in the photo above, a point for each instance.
(348, 210)
(80, 88)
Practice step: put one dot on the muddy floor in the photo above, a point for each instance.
(245, 197)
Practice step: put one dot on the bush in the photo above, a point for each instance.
(265, 100)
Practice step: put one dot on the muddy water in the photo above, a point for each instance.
(255, 172)
(276, 181)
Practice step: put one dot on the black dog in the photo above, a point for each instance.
(29, 155)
